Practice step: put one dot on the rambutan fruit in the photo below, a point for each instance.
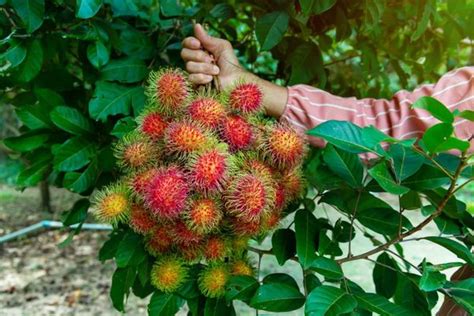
(280, 198)
(140, 219)
(271, 220)
(152, 124)
(284, 146)
(203, 215)
(210, 170)
(159, 241)
(134, 151)
(293, 183)
(112, 204)
(139, 180)
(241, 267)
(246, 98)
(249, 196)
(216, 248)
(191, 252)
(237, 132)
(182, 235)
(183, 137)
(168, 274)
(207, 111)
(166, 193)
(213, 279)
(239, 244)
(169, 90)
(244, 228)
(252, 163)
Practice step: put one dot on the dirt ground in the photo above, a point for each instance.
(38, 278)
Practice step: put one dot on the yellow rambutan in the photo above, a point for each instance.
(112, 205)
(203, 215)
(213, 279)
(168, 274)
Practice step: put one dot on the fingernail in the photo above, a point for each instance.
(215, 70)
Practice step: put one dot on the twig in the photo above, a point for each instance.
(352, 218)
(404, 260)
(437, 212)
(462, 185)
(433, 161)
(9, 17)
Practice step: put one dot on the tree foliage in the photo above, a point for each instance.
(74, 72)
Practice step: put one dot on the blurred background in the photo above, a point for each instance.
(71, 81)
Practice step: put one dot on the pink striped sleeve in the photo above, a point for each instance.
(308, 107)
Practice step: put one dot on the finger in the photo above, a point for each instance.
(204, 68)
(212, 44)
(200, 78)
(195, 55)
(191, 43)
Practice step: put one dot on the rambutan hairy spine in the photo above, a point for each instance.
(213, 279)
(134, 151)
(169, 90)
(207, 110)
(246, 98)
(168, 274)
(203, 214)
(112, 204)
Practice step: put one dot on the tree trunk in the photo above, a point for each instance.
(45, 197)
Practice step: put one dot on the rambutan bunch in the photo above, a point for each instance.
(203, 173)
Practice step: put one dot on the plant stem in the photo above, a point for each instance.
(353, 215)
(438, 211)
(433, 161)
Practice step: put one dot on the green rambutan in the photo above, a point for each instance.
(207, 111)
(241, 267)
(140, 219)
(168, 274)
(284, 146)
(204, 215)
(166, 193)
(239, 244)
(112, 204)
(246, 98)
(169, 89)
(134, 151)
(159, 241)
(213, 279)
(237, 132)
(249, 196)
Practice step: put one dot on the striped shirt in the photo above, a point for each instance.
(308, 106)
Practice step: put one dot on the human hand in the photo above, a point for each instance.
(206, 56)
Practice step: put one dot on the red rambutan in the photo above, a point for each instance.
(183, 235)
(293, 183)
(153, 124)
(203, 215)
(140, 219)
(191, 252)
(207, 111)
(210, 170)
(159, 241)
(166, 193)
(216, 248)
(237, 132)
(284, 146)
(140, 180)
(185, 137)
(243, 228)
(246, 98)
(280, 199)
(169, 89)
(249, 196)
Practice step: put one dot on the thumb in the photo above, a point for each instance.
(212, 44)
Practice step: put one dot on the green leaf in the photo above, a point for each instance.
(311, 282)
(111, 99)
(125, 70)
(241, 287)
(283, 245)
(122, 281)
(123, 126)
(131, 251)
(423, 21)
(408, 295)
(164, 304)
(380, 305)
(452, 143)
(26, 142)
(109, 248)
(462, 293)
(73, 154)
(98, 54)
(86, 9)
(327, 267)
(346, 136)
(321, 6)
(427, 178)
(383, 177)
(171, 8)
(135, 44)
(277, 297)
(467, 114)
(306, 64)
(457, 248)
(328, 300)
(406, 161)
(48, 98)
(31, 13)
(346, 165)
(34, 116)
(410, 201)
(16, 54)
(78, 212)
(382, 220)
(31, 66)
(71, 120)
(306, 228)
(36, 172)
(431, 279)
(270, 28)
(218, 307)
(385, 278)
(435, 108)
(437, 135)
(80, 182)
